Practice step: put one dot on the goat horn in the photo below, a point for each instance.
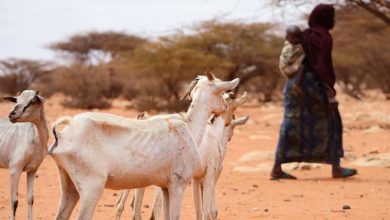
(240, 121)
(189, 89)
(243, 99)
(209, 75)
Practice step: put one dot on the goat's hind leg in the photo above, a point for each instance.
(120, 204)
(90, 192)
(138, 197)
(69, 196)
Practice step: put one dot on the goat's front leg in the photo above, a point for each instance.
(214, 208)
(208, 194)
(120, 204)
(196, 190)
(176, 193)
(30, 193)
(13, 185)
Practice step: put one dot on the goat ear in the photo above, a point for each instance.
(141, 115)
(10, 98)
(189, 89)
(40, 99)
(209, 75)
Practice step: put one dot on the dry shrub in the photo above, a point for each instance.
(17, 75)
(86, 87)
(361, 60)
(152, 94)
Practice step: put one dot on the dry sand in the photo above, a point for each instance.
(244, 190)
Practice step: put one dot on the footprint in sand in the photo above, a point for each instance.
(266, 159)
(379, 160)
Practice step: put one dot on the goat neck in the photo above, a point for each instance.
(43, 131)
(196, 117)
(218, 129)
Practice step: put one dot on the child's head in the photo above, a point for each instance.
(293, 34)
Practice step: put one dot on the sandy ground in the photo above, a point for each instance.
(244, 190)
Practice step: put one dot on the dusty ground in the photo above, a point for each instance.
(244, 189)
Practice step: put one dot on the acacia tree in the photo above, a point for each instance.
(95, 59)
(251, 51)
(97, 47)
(230, 49)
(361, 42)
(17, 75)
(378, 8)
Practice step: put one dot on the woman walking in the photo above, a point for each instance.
(311, 130)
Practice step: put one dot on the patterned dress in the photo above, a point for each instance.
(311, 131)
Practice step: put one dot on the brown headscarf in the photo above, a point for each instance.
(317, 42)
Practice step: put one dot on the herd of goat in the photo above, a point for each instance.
(94, 151)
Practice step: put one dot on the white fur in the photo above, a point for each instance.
(97, 151)
(23, 144)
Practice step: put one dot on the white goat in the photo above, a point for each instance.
(96, 151)
(23, 146)
(212, 151)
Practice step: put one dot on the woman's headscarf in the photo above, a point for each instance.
(317, 42)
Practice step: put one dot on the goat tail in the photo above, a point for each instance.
(61, 121)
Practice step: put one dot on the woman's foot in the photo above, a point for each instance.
(343, 172)
(275, 175)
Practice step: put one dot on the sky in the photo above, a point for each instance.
(27, 27)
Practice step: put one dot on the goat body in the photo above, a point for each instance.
(20, 146)
(118, 142)
(23, 144)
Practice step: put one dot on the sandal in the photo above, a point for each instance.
(345, 172)
(282, 175)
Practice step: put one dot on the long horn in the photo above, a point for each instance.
(243, 99)
(189, 89)
(209, 75)
(240, 121)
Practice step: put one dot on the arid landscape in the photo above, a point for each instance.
(244, 190)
